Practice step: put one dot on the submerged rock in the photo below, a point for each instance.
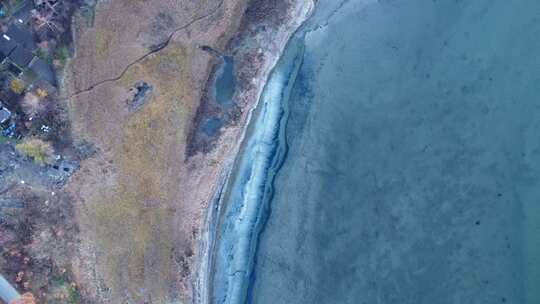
(140, 92)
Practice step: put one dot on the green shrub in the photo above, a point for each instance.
(62, 54)
(73, 295)
(37, 149)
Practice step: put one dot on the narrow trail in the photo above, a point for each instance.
(157, 49)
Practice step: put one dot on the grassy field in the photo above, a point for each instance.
(103, 43)
(139, 203)
(135, 225)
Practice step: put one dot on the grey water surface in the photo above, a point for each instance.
(412, 172)
(225, 84)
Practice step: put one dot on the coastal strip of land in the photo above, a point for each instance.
(237, 214)
(140, 91)
(138, 200)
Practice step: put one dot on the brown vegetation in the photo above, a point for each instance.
(38, 150)
(138, 222)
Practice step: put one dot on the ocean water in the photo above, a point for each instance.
(400, 162)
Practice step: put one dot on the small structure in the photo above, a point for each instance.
(10, 131)
(19, 60)
(19, 48)
(16, 47)
(22, 36)
(23, 14)
(5, 115)
(66, 167)
(7, 125)
(7, 45)
(61, 170)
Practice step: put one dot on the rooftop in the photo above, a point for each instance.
(5, 114)
(22, 36)
(24, 12)
(7, 45)
(21, 57)
(15, 70)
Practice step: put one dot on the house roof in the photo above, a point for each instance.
(5, 114)
(22, 36)
(24, 13)
(21, 57)
(14, 69)
(7, 45)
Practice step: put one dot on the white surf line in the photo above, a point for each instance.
(242, 221)
(7, 292)
(204, 280)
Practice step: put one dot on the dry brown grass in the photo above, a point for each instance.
(103, 44)
(134, 226)
(138, 221)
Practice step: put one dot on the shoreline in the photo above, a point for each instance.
(215, 211)
(191, 188)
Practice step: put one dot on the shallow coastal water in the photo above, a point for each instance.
(248, 194)
(406, 160)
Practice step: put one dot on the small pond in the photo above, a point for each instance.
(225, 83)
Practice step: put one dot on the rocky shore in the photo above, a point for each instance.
(257, 49)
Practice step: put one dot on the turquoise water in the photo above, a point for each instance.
(404, 165)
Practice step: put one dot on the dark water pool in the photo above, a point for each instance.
(212, 126)
(225, 83)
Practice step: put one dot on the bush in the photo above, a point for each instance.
(43, 54)
(31, 104)
(38, 150)
(17, 86)
(62, 55)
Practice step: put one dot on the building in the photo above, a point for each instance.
(19, 60)
(23, 14)
(7, 45)
(18, 48)
(5, 115)
(22, 36)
